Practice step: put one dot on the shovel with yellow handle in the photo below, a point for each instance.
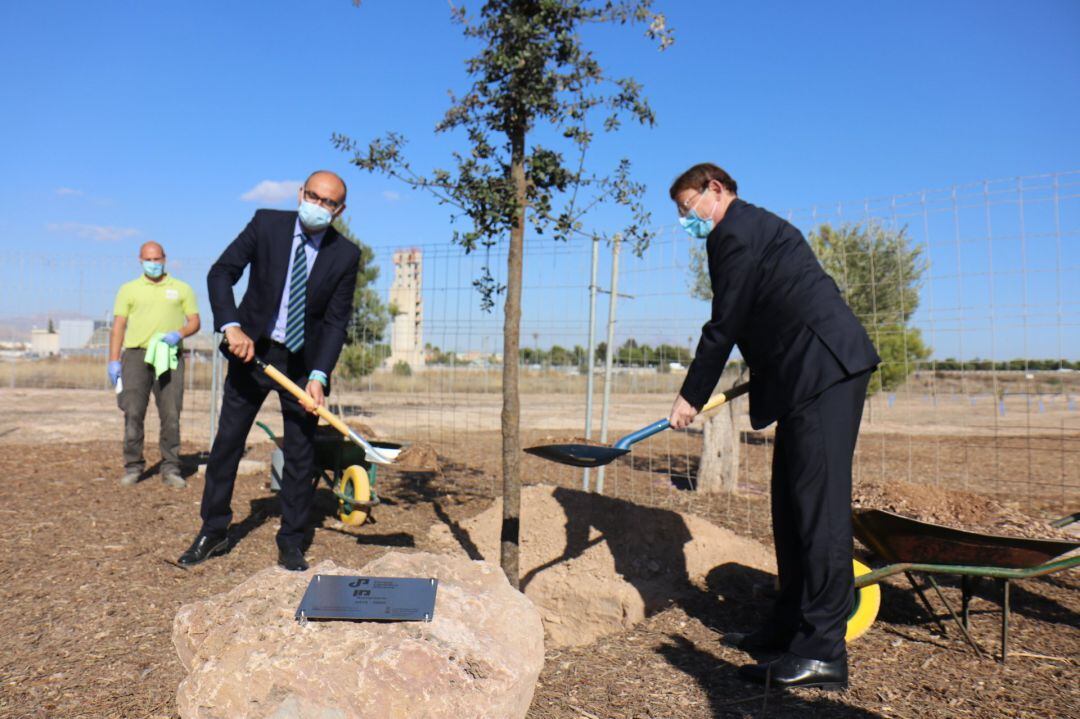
(376, 456)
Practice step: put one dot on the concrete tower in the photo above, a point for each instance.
(407, 338)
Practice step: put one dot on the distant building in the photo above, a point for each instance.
(100, 337)
(75, 334)
(44, 343)
(407, 332)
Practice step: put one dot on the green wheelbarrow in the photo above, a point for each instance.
(343, 465)
(911, 547)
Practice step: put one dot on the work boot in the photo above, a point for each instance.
(173, 479)
(130, 478)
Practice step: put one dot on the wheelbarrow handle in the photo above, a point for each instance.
(661, 425)
(332, 419)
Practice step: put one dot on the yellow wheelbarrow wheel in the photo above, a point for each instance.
(355, 485)
(867, 603)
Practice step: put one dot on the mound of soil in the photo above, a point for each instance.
(954, 508)
(596, 565)
(362, 429)
(418, 457)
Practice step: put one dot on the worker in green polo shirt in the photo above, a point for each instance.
(155, 311)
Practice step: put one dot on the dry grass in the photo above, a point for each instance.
(81, 373)
(89, 373)
(970, 383)
(470, 380)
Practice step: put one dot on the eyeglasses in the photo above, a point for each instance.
(324, 201)
(684, 209)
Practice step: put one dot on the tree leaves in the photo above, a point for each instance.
(533, 69)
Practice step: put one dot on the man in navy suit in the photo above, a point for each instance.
(810, 361)
(294, 315)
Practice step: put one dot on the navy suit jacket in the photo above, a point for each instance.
(772, 298)
(264, 248)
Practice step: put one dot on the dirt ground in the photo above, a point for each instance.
(88, 594)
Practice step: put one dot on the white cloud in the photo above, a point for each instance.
(98, 233)
(65, 191)
(391, 196)
(272, 191)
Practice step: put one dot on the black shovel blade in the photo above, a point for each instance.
(577, 455)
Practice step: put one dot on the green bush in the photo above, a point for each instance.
(402, 369)
(357, 361)
(901, 350)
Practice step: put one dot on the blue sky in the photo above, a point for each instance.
(131, 120)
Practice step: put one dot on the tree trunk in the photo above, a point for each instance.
(719, 468)
(511, 409)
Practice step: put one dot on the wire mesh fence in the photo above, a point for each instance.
(971, 293)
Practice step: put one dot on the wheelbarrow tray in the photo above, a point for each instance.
(896, 538)
(912, 546)
(334, 451)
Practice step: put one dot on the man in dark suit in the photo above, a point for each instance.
(810, 361)
(294, 314)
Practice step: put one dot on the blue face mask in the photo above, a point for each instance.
(315, 217)
(694, 225)
(153, 270)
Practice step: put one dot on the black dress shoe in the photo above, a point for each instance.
(204, 547)
(292, 559)
(794, 671)
(762, 640)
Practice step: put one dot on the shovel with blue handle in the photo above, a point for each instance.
(588, 455)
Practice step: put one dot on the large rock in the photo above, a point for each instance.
(248, 657)
(596, 565)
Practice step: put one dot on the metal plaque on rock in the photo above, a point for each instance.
(331, 596)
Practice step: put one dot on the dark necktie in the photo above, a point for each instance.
(294, 323)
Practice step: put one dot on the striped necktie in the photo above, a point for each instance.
(294, 324)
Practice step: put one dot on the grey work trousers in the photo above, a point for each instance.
(168, 391)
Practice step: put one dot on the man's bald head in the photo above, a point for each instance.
(151, 252)
(328, 181)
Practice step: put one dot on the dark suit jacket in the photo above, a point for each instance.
(772, 298)
(264, 247)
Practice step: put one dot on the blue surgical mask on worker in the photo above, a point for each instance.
(153, 270)
(315, 217)
(694, 225)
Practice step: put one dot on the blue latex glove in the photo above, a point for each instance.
(171, 339)
(114, 371)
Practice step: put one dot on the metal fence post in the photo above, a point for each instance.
(592, 354)
(609, 354)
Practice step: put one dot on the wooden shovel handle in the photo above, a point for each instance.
(723, 397)
(305, 399)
